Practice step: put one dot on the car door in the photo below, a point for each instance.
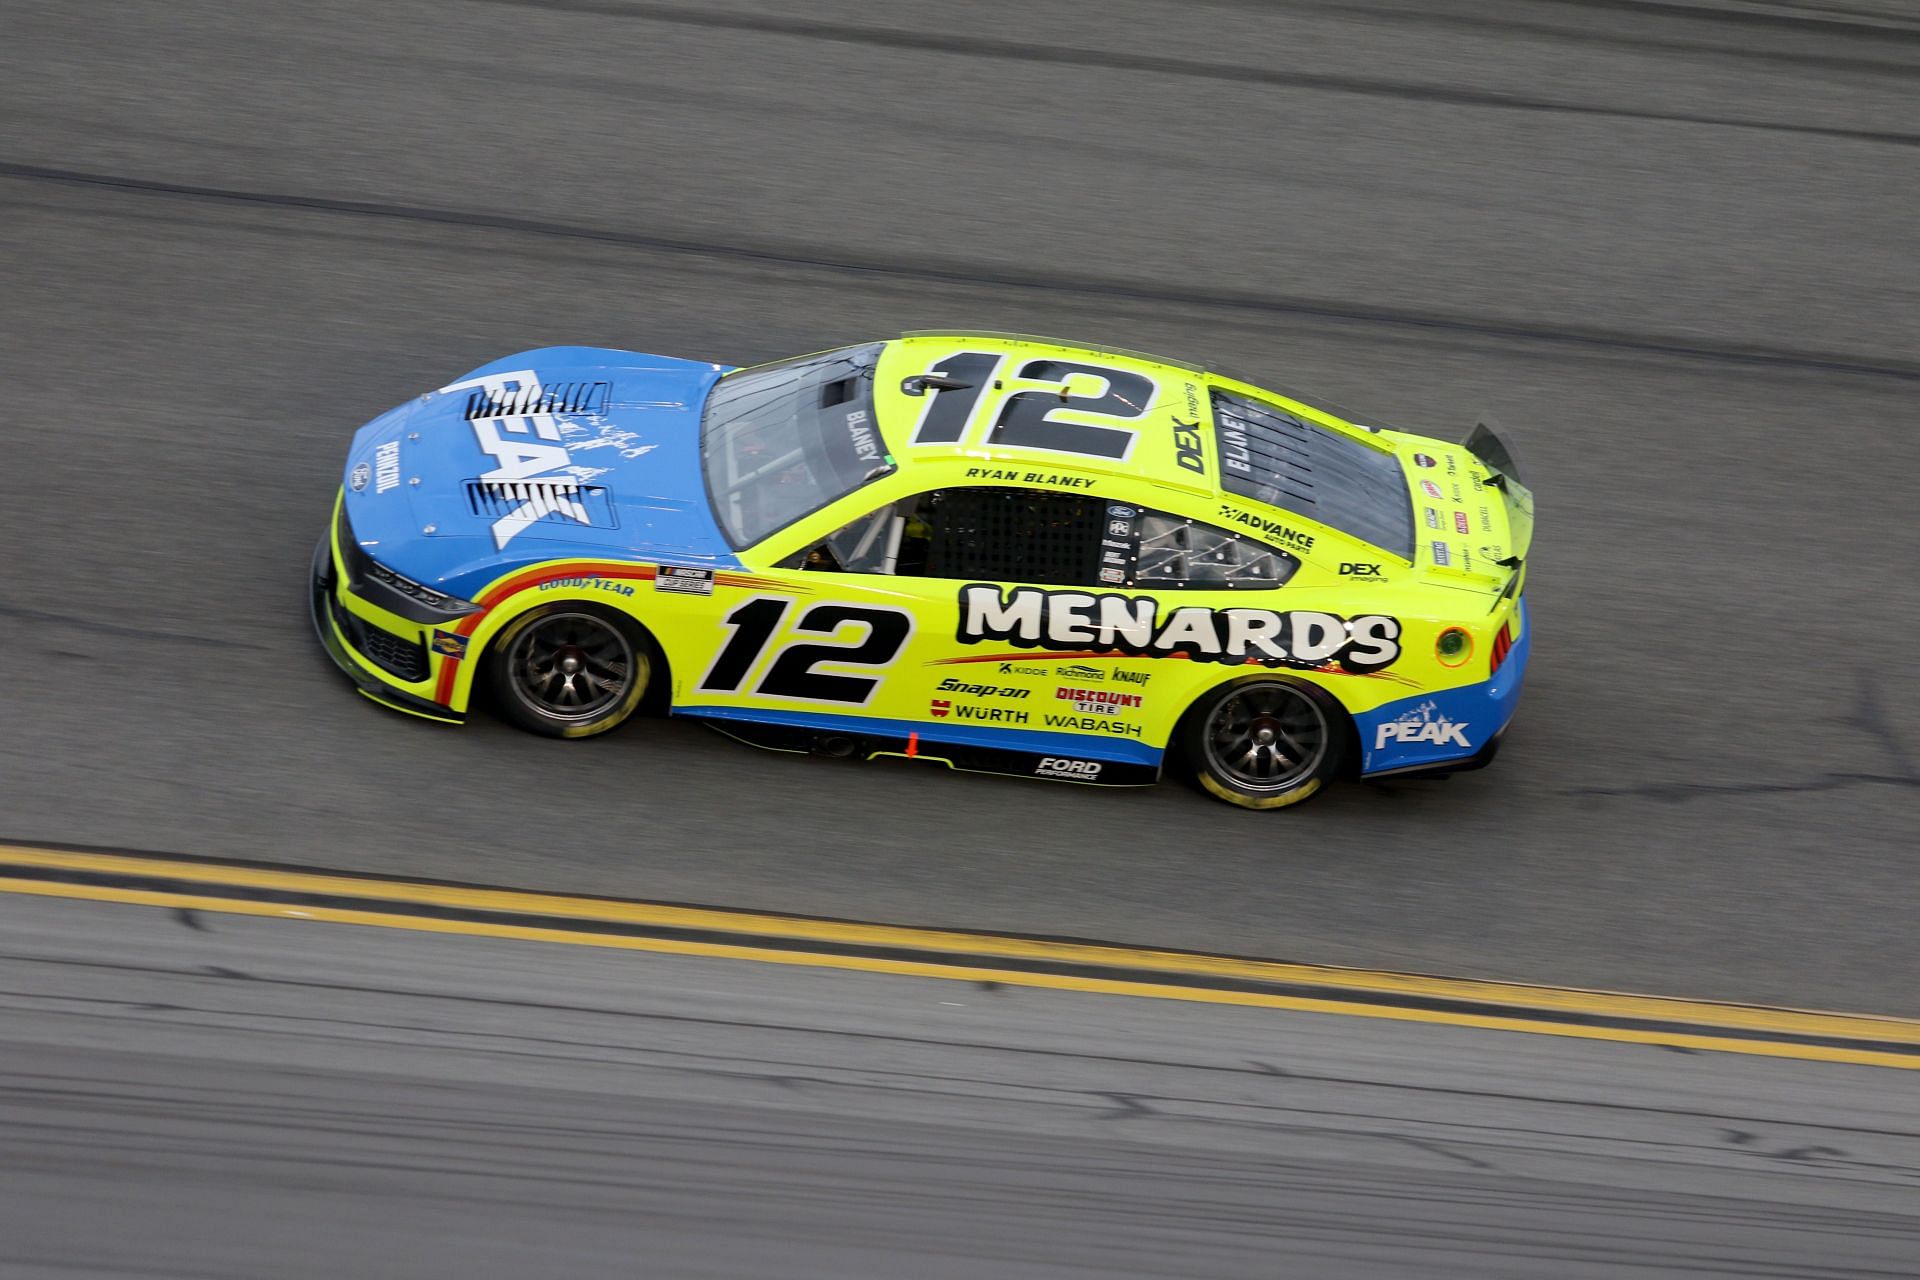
(872, 635)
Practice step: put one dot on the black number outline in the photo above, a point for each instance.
(1016, 427)
(735, 660)
(953, 415)
(948, 417)
(888, 631)
(756, 621)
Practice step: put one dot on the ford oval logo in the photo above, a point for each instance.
(361, 474)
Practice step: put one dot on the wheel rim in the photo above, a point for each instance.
(1266, 737)
(571, 666)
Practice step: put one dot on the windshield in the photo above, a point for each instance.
(1285, 461)
(784, 440)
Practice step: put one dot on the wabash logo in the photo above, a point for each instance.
(1350, 570)
(1033, 617)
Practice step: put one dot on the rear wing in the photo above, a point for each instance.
(1483, 443)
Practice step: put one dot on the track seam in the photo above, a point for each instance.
(976, 277)
(246, 888)
(1063, 54)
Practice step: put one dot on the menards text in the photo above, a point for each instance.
(1032, 617)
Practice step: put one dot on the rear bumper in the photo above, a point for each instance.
(324, 610)
(1452, 731)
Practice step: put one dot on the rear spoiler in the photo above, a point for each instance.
(1483, 443)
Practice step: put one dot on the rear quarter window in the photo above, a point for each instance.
(1172, 551)
(1285, 461)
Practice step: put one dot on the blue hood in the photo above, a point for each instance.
(560, 452)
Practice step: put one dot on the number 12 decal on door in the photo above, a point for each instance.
(1055, 412)
(792, 673)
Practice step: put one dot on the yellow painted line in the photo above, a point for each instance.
(1058, 982)
(1745, 1017)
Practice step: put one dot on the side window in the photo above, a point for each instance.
(1172, 551)
(1039, 536)
(1004, 535)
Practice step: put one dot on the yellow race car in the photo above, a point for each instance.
(992, 551)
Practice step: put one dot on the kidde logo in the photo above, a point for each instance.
(1107, 697)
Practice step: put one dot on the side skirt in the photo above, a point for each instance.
(1007, 762)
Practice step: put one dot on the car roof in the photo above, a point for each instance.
(1167, 434)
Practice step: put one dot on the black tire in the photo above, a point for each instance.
(570, 669)
(1263, 743)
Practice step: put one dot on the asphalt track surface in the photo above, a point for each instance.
(1671, 249)
(191, 1094)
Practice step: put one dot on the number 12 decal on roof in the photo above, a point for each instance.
(1050, 406)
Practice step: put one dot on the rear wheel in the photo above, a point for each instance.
(570, 670)
(1263, 743)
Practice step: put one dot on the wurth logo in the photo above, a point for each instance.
(941, 708)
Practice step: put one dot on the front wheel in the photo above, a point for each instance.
(1263, 743)
(570, 670)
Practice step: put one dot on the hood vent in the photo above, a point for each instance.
(543, 501)
(555, 397)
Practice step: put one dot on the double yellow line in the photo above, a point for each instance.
(251, 889)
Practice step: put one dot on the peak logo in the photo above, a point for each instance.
(1035, 617)
(517, 455)
(1423, 724)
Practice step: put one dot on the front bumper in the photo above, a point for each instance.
(332, 623)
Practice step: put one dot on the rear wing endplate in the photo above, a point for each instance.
(1485, 444)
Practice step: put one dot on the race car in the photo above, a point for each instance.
(991, 551)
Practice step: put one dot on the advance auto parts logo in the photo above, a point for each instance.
(1075, 620)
